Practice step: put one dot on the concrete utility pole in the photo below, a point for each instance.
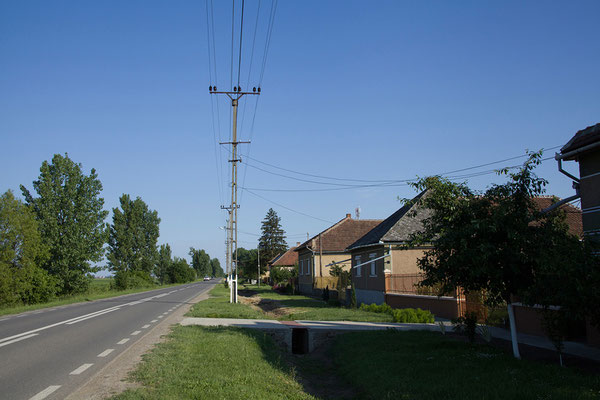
(258, 266)
(233, 229)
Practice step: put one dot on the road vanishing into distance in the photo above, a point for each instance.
(48, 353)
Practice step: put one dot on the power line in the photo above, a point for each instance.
(376, 180)
(210, 66)
(398, 184)
(241, 37)
(287, 208)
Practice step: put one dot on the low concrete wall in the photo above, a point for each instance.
(306, 289)
(528, 320)
(443, 307)
(593, 335)
(369, 296)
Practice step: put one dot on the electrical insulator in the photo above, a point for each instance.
(254, 89)
(210, 88)
(259, 90)
(234, 89)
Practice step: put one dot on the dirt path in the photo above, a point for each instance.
(272, 308)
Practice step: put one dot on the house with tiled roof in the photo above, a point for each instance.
(584, 148)
(385, 268)
(288, 259)
(327, 248)
(382, 254)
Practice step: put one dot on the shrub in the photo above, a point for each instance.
(402, 315)
(132, 279)
(467, 325)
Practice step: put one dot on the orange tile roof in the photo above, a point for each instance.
(290, 257)
(340, 235)
(573, 213)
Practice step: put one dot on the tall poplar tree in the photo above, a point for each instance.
(272, 240)
(132, 247)
(70, 215)
(164, 263)
(200, 262)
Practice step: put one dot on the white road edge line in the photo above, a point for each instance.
(46, 392)
(154, 320)
(81, 369)
(160, 316)
(18, 339)
(123, 341)
(106, 352)
(146, 326)
(135, 333)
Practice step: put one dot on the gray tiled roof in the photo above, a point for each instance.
(584, 137)
(398, 227)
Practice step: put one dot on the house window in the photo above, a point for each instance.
(358, 269)
(372, 256)
(301, 272)
(308, 267)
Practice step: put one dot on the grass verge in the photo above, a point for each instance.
(306, 308)
(99, 289)
(215, 363)
(426, 365)
(218, 306)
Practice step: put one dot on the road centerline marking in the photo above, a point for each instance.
(80, 369)
(106, 352)
(46, 392)
(18, 339)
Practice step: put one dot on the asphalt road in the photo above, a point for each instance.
(46, 354)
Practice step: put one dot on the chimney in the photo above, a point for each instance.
(348, 215)
(297, 244)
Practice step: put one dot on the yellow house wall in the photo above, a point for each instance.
(404, 261)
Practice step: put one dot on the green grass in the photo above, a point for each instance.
(215, 363)
(99, 289)
(426, 365)
(306, 308)
(218, 306)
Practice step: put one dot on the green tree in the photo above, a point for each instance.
(181, 272)
(132, 243)
(566, 282)
(215, 266)
(163, 264)
(488, 243)
(21, 251)
(272, 241)
(247, 263)
(200, 262)
(70, 215)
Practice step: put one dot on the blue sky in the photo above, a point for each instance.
(370, 90)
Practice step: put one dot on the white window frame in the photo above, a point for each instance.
(358, 269)
(308, 267)
(373, 271)
(301, 272)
